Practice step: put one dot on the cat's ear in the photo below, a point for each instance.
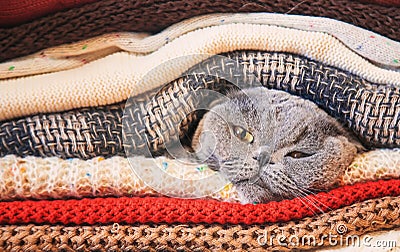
(357, 143)
(345, 132)
(196, 135)
(353, 140)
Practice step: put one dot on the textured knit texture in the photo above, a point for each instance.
(152, 16)
(389, 3)
(371, 111)
(373, 165)
(114, 78)
(184, 211)
(17, 12)
(342, 223)
(54, 178)
(372, 46)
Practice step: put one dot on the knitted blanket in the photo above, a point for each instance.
(372, 46)
(55, 178)
(115, 16)
(17, 12)
(108, 229)
(343, 223)
(112, 79)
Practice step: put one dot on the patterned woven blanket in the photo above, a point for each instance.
(90, 132)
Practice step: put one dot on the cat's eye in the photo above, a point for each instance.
(298, 154)
(243, 134)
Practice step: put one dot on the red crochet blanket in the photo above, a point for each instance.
(171, 210)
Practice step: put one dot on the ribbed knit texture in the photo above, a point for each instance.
(139, 15)
(55, 178)
(340, 224)
(171, 210)
(17, 12)
(114, 78)
(372, 46)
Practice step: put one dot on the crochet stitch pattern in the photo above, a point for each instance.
(174, 210)
(152, 16)
(347, 221)
(374, 47)
(370, 110)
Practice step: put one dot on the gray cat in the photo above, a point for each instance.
(273, 146)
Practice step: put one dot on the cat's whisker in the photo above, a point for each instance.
(302, 200)
(293, 188)
(305, 197)
(320, 195)
(254, 180)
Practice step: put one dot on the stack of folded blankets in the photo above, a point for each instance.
(70, 71)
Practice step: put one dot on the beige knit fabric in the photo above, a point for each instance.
(113, 78)
(372, 46)
(373, 165)
(54, 178)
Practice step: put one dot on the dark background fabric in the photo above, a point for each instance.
(152, 16)
(16, 12)
(383, 2)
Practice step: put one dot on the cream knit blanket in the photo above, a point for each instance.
(374, 47)
(113, 78)
(55, 178)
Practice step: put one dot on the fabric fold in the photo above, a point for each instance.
(108, 16)
(173, 210)
(113, 78)
(341, 225)
(372, 46)
(54, 178)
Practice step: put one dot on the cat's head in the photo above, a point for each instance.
(273, 145)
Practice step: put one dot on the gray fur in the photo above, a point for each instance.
(280, 123)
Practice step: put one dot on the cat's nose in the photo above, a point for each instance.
(263, 158)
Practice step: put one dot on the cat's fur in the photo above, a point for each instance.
(280, 124)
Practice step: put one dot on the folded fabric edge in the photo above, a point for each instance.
(38, 178)
(142, 17)
(307, 233)
(115, 79)
(173, 210)
(374, 47)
